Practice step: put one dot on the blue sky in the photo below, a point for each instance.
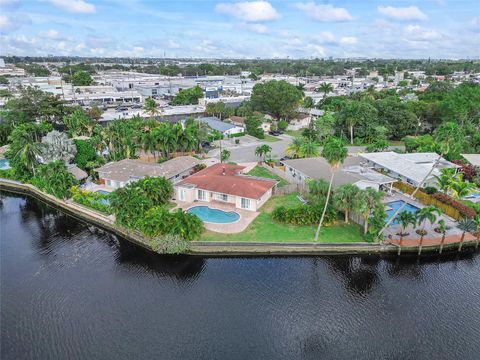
(223, 29)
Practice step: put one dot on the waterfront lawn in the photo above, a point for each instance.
(260, 171)
(264, 229)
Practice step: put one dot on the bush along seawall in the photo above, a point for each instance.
(168, 243)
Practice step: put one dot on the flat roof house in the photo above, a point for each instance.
(225, 128)
(352, 172)
(225, 183)
(409, 168)
(117, 174)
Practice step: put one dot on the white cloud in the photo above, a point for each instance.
(325, 37)
(74, 6)
(9, 22)
(474, 24)
(417, 33)
(402, 13)
(250, 11)
(172, 44)
(315, 50)
(324, 13)
(257, 28)
(51, 34)
(348, 40)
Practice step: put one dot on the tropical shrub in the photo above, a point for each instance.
(159, 221)
(464, 210)
(93, 200)
(54, 179)
(57, 146)
(253, 126)
(309, 214)
(282, 125)
(85, 153)
(170, 244)
(430, 190)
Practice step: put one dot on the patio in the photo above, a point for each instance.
(246, 216)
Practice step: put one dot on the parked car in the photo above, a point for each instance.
(137, 106)
(275, 132)
(121, 108)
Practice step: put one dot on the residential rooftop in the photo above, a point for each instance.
(128, 169)
(227, 179)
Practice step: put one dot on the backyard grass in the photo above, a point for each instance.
(264, 229)
(260, 171)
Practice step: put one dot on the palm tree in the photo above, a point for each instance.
(363, 204)
(445, 179)
(149, 143)
(308, 149)
(293, 149)
(150, 106)
(263, 150)
(461, 188)
(325, 88)
(28, 155)
(343, 198)
(466, 225)
(405, 218)
(426, 213)
(442, 227)
(335, 153)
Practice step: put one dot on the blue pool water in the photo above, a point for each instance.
(103, 192)
(395, 205)
(4, 164)
(217, 216)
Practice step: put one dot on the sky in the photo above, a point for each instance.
(242, 29)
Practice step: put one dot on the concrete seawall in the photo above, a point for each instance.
(225, 248)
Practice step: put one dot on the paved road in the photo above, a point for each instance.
(245, 151)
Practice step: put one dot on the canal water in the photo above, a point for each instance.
(71, 291)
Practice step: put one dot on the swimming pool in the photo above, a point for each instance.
(395, 205)
(4, 164)
(216, 216)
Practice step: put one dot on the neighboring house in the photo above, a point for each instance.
(409, 168)
(351, 172)
(240, 121)
(300, 121)
(117, 174)
(78, 173)
(225, 183)
(225, 128)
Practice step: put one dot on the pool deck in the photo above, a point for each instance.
(246, 217)
(413, 238)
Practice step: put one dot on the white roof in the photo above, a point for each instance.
(473, 159)
(413, 166)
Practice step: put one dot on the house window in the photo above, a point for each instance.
(223, 197)
(181, 195)
(245, 203)
(202, 195)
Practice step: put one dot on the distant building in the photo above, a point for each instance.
(225, 128)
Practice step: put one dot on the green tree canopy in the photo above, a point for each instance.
(278, 98)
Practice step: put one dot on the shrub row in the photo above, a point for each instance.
(446, 203)
(464, 210)
(92, 200)
(303, 215)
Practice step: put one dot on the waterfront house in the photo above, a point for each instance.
(353, 171)
(117, 174)
(409, 168)
(225, 183)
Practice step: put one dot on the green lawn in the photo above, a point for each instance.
(270, 138)
(260, 171)
(263, 228)
(294, 133)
